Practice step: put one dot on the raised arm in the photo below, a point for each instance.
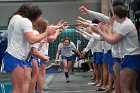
(108, 34)
(95, 15)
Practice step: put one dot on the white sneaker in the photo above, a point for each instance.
(91, 83)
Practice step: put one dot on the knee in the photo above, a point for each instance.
(17, 89)
(42, 73)
(65, 67)
(27, 79)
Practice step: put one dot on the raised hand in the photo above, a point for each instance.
(83, 54)
(51, 29)
(63, 25)
(108, 29)
(96, 27)
(82, 23)
(55, 61)
(82, 19)
(84, 10)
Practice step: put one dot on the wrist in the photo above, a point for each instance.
(46, 33)
(43, 58)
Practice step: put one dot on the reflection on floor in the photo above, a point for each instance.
(56, 83)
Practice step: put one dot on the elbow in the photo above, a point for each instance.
(32, 42)
(112, 43)
(51, 39)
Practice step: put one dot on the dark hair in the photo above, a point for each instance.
(116, 3)
(23, 10)
(29, 11)
(66, 38)
(34, 13)
(120, 11)
(41, 25)
(96, 21)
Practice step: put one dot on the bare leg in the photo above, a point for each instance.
(90, 65)
(65, 64)
(110, 83)
(128, 79)
(27, 80)
(134, 83)
(69, 65)
(41, 78)
(97, 74)
(116, 68)
(94, 75)
(17, 77)
(100, 75)
(35, 74)
(105, 75)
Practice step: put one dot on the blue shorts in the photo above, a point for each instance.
(37, 60)
(110, 62)
(29, 62)
(10, 63)
(116, 59)
(106, 57)
(98, 58)
(67, 58)
(43, 62)
(132, 62)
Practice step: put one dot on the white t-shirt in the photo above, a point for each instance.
(116, 51)
(86, 37)
(94, 44)
(99, 16)
(106, 46)
(36, 45)
(44, 49)
(18, 46)
(129, 45)
(66, 50)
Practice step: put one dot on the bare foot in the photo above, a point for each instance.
(99, 85)
(107, 90)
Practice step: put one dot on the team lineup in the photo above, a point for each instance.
(112, 40)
